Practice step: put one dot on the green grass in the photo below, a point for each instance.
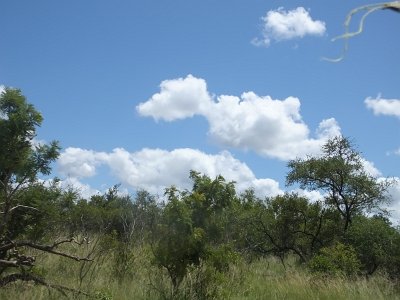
(261, 279)
(266, 279)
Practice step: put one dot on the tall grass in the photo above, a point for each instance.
(264, 278)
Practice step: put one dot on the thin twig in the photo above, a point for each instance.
(370, 8)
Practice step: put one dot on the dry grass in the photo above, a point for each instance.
(261, 279)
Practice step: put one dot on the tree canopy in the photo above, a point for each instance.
(339, 173)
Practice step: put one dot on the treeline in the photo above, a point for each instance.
(208, 228)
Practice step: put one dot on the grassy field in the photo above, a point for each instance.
(134, 277)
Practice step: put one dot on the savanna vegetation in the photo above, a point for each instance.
(208, 242)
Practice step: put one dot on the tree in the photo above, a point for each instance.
(289, 224)
(377, 244)
(210, 201)
(21, 161)
(179, 244)
(337, 260)
(339, 173)
(193, 231)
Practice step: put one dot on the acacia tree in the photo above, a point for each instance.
(340, 174)
(21, 161)
(287, 224)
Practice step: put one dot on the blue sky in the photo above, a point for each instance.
(140, 92)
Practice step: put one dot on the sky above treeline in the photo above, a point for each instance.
(141, 92)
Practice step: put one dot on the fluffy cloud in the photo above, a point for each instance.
(279, 25)
(379, 106)
(80, 163)
(313, 196)
(273, 128)
(156, 169)
(178, 99)
(370, 168)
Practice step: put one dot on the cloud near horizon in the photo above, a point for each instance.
(147, 168)
(271, 128)
(280, 25)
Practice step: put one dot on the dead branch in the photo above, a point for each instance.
(40, 281)
(44, 248)
(370, 8)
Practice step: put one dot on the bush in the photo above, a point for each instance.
(338, 260)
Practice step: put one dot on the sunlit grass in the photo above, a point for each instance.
(264, 278)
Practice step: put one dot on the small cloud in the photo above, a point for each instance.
(178, 99)
(313, 196)
(380, 106)
(280, 25)
(395, 152)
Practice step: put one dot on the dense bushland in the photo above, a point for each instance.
(204, 243)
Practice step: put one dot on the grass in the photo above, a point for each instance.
(264, 278)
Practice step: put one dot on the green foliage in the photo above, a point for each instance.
(103, 295)
(180, 244)
(377, 244)
(222, 257)
(289, 224)
(20, 160)
(192, 247)
(337, 260)
(205, 283)
(30, 211)
(340, 174)
(194, 229)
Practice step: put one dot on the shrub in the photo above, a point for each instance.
(338, 260)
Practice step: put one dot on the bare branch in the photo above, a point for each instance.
(370, 8)
(45, 248)
(22, 206)
(37, 280)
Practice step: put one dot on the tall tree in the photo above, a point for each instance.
(340, 174)
(21, 161)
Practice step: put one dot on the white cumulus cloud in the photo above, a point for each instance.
(388, 107)
(79, 163)
(279, 25)
(178, 99)
(270, 127)
(156, 169)
(370, 168)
